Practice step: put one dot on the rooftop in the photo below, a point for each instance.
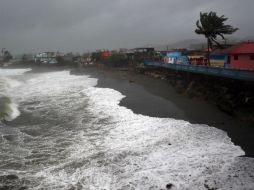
(242, 48)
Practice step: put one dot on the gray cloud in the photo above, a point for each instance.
(81, 25)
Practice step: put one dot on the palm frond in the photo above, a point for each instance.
(211, 25)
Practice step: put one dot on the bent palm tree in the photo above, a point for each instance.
(210, 25)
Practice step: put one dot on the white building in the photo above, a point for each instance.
(46, 58)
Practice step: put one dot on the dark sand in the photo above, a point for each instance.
(157, 98)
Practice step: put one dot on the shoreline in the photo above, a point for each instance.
(157, 98)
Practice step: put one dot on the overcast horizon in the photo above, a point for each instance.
(29, 26)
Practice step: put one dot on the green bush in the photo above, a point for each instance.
(117, 60)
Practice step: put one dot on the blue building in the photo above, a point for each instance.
(176, 58)
(219, 60)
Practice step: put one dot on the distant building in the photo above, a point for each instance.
(28, 58)
(165, 52)
(197, 59)
(105, 53)
(240, 56)
(123, 50)
(144, 50)
(176, 58)
(68, 58)
(46, 58)
(138, 55)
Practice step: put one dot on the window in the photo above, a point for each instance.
(252, 57)
(236, 57)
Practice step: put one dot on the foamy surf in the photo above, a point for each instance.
(8, 108)
(79, 137)
(13, 72)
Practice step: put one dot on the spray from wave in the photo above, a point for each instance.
(8, 108)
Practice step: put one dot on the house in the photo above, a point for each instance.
(176, 58)
(197, 59)
(68, 57)
(219, 59)
(140, 54)
(240, 56)
(46, 58)
(171, 58)
(105, 53)
(197, 56)
(27, 58)
(145, 50)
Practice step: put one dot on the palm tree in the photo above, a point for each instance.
(211, 26)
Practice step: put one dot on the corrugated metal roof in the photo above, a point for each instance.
(242, 48)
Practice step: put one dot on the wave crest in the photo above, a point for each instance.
(8, 109)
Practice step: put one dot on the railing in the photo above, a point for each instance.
(217, 71)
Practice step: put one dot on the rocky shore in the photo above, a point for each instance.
(233, 97)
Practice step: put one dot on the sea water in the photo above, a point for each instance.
(66, 133)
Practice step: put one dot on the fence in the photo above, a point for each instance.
(216, 71)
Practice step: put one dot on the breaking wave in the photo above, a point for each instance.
(76, 136)
(9, 109)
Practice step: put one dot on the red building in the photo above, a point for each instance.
(241, 56)
(105, 53)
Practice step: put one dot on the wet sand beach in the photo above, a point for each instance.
(157, 98)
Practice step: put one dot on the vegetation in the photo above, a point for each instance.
(60, 60)
(117, 59)
(7, 56)
(211, 26)
(96, 56)
(114, 60)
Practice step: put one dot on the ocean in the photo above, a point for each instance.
(61, 131)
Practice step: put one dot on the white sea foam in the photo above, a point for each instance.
(13, 72)
(8, 84)
(113, 148)
(138, 149)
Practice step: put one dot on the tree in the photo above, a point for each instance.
(96, 56)
(117, 60)
(211, 26)
(60, 60)
(7, 56)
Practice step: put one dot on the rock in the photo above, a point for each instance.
(23, 188)
(209, 188)
(12, 177)
(5, 187)
(169, 185)
(8, 178)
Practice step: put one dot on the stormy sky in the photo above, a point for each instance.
(85, 25)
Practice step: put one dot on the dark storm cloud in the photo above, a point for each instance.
(80, 25)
